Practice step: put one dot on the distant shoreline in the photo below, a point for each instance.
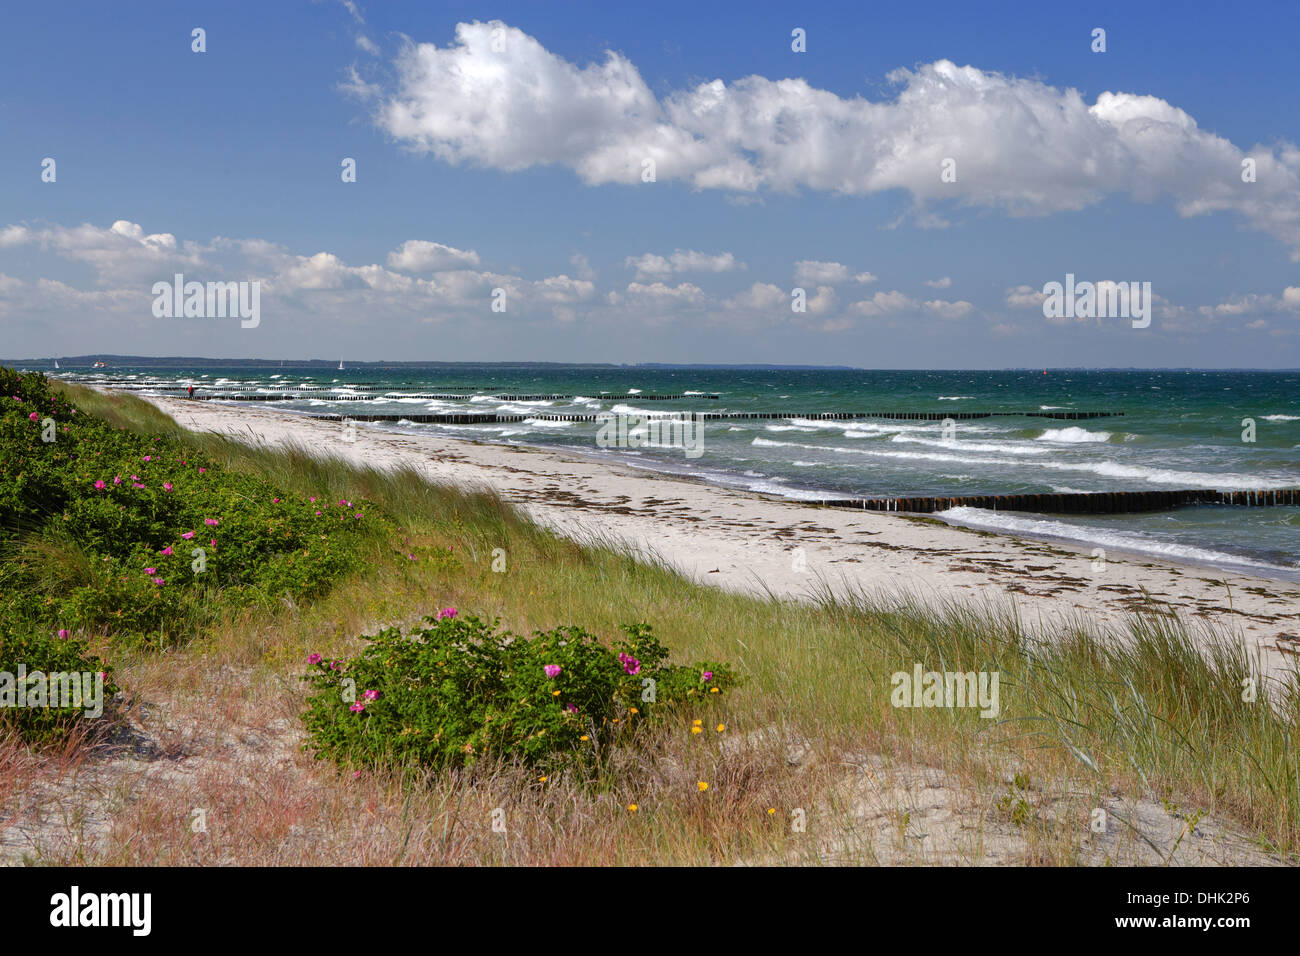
(79, 362)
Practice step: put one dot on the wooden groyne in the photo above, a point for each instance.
(1084, 503)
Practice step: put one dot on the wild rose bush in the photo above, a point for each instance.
(161, 538)
(458, 690)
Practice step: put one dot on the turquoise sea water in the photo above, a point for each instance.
(1180, 429)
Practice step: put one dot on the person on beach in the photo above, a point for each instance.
(191, 390)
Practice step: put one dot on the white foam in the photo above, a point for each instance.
(1105, 469)
(1119, 540)
(957, 444)
(1072, 435)
(860, 428)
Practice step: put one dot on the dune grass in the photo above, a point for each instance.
(1087, 717)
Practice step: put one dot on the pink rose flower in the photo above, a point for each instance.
(552, 670)
(100, 486)
(313, 658)
(64, 633)
(33, 416)
(187, 535)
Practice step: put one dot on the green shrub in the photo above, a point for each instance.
(29, 659)
(458, 691)
(145, 539)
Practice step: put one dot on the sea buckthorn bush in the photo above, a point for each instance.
(458, 690)
(141, 538)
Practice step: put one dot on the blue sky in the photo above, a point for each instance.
(517, 168)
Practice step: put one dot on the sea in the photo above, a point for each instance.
(1180, 429)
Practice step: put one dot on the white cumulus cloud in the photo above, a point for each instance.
(496, 97)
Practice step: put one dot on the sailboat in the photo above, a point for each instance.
(56, 363)
(340, 365)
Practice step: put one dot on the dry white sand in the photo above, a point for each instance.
(755, 543)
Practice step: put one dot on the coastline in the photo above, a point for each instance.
(746, 541)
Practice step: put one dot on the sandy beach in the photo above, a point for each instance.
(759, 544)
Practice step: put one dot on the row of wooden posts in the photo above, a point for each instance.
(1100, 502)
